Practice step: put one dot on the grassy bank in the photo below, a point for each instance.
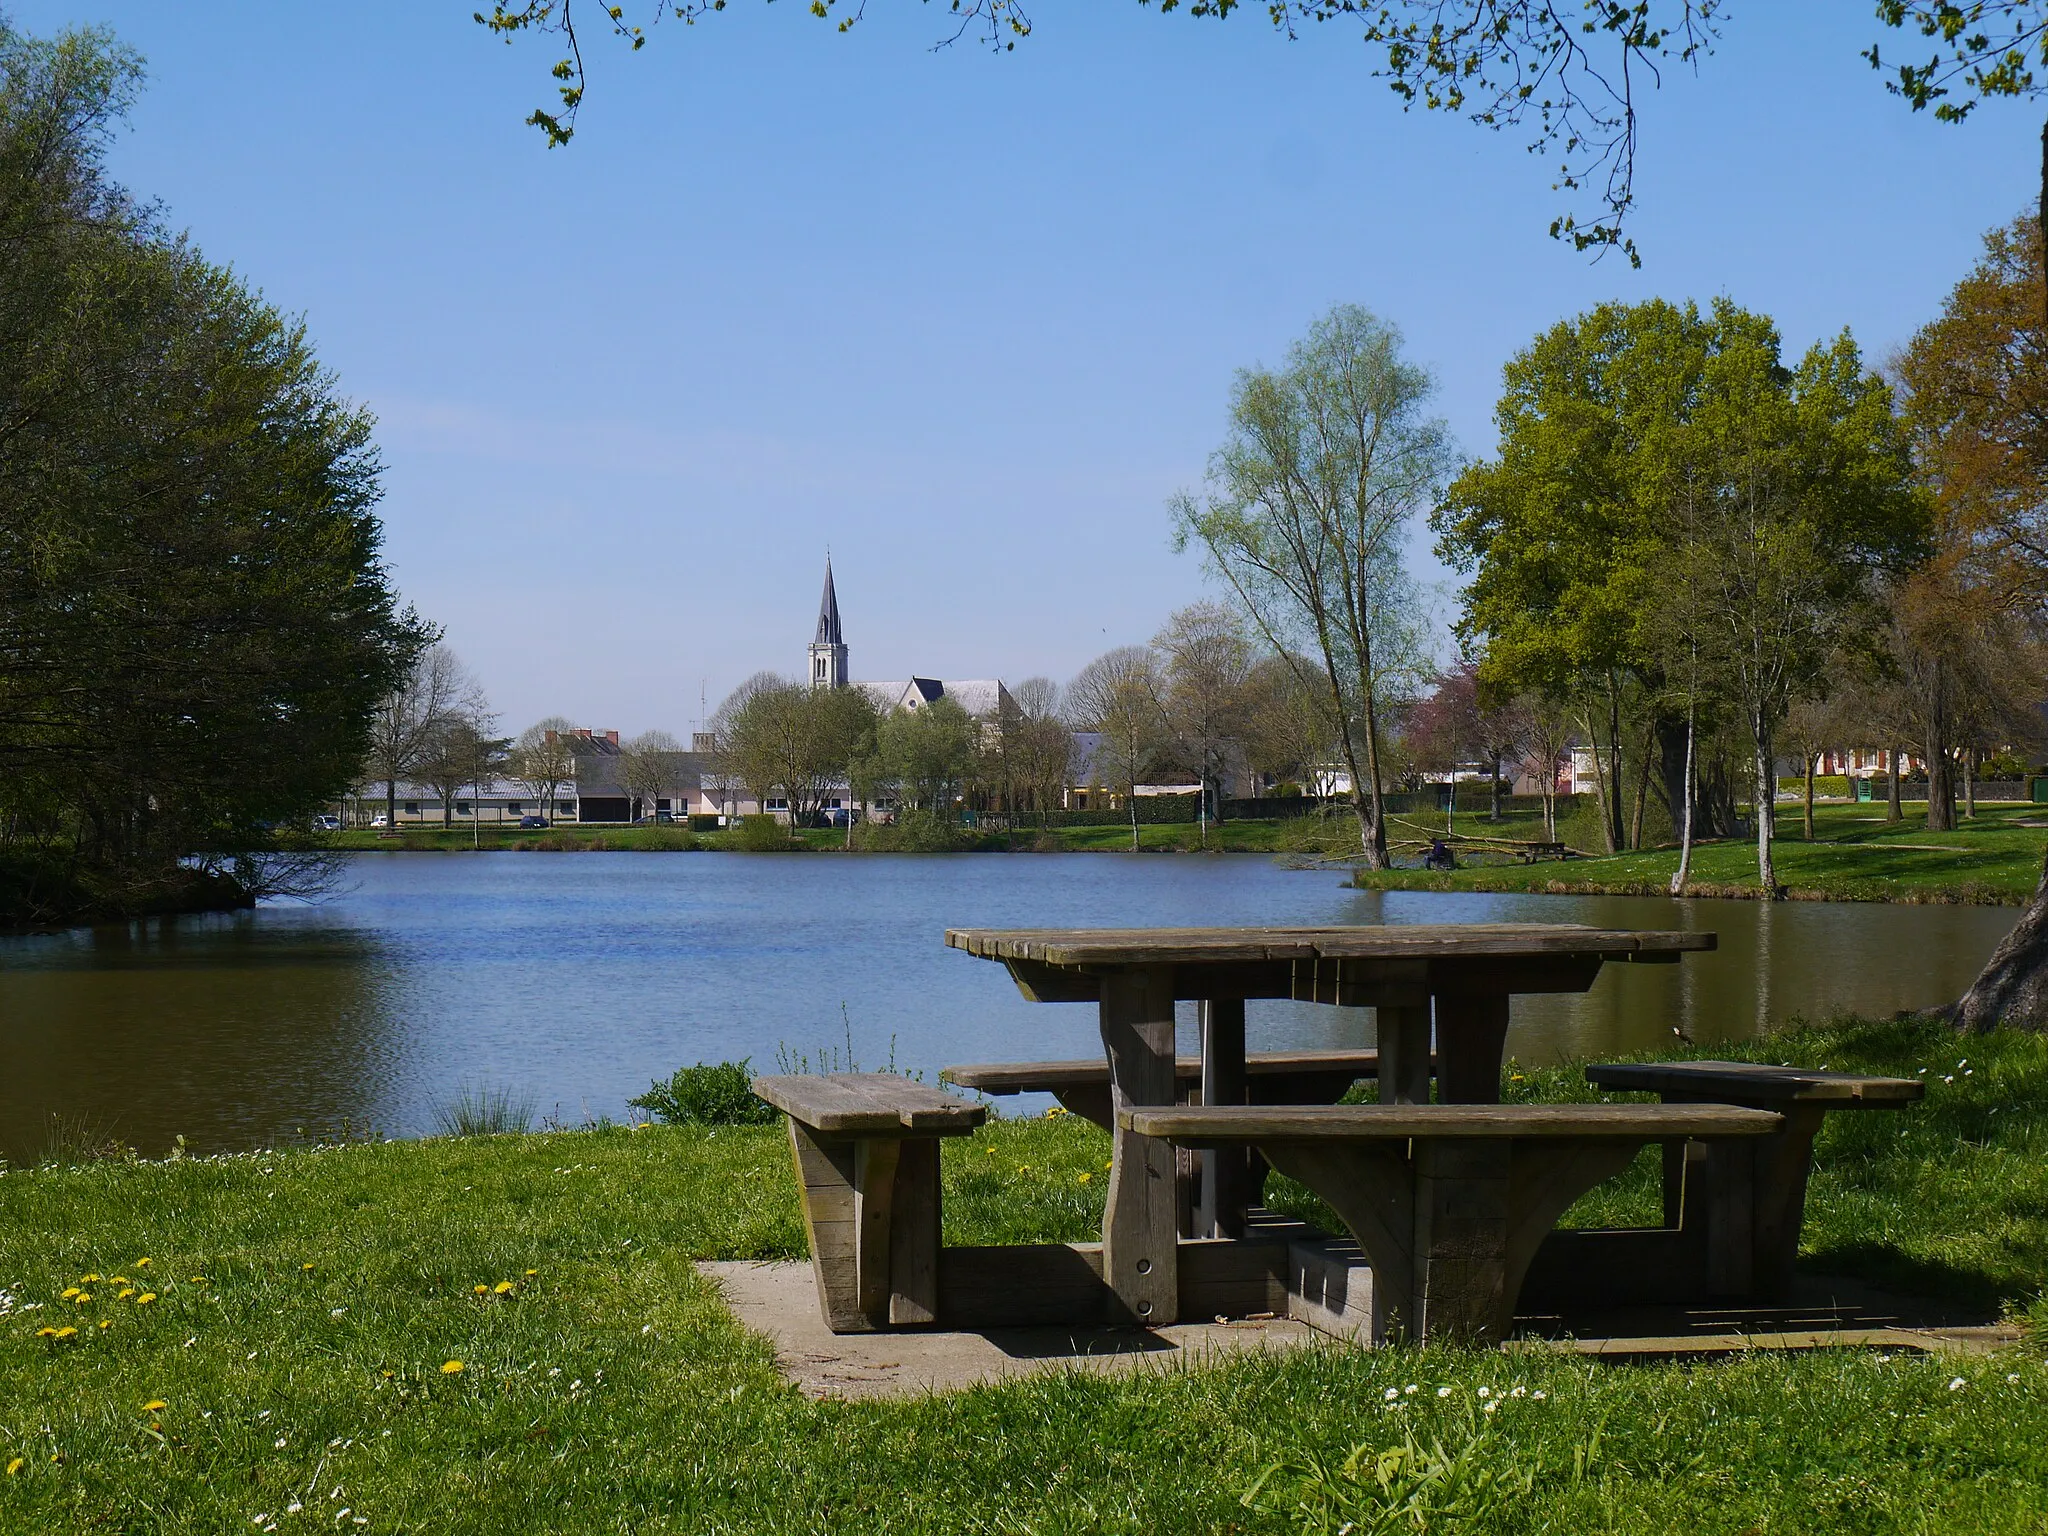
(297, 1359)
(1856, 856)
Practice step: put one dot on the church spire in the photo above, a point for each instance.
(828, 612)
(828, 651)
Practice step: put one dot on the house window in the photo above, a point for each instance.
(411, 807)
(462, 807)
(515, 807)
(775, 805)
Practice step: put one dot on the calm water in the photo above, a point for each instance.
(575, 979)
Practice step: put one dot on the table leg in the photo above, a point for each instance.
(1140, 1240)
(1226, 1171)
(1471, 1036)
(1404, 1055)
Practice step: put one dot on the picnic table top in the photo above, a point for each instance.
(1393, 941)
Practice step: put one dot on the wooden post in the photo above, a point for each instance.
(1404, 1054)
(1226, 1171)
(1461, 1238)
(1471, 1034)
(1140, 1239)
(914, 1234)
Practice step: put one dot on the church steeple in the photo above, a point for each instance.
(828, 650)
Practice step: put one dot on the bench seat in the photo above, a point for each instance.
(866, 1146)
(1271, 1077)
(1748, 1200)
(1449, 1201)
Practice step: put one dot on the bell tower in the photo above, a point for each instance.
(828, 650)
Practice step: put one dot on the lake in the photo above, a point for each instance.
(574, 979)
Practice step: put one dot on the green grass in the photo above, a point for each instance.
(1856, 856)
(307, 1301)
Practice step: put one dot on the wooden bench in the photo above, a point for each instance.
(1747, 1200)
(866, 1146)
(1271, 1077)
(1449, 1201)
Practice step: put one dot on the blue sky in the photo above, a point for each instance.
(966, 318)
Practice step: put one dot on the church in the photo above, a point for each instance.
(985, 698)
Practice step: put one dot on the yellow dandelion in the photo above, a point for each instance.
(16, 1465)
(117, 1279)
(145, 1298)
(126, 1292)
(1084, 1178)
(481, 1290)
(531, 1273)
(81, 1298)
(451, 1367)
(46, 1333)
(88, 1279)
(68, 1292)
(502, 1288)
(142, 1263)
(199, 1279)
(305, 1266)
(1107, 1166)
(64, 1333)
(155, 1405)
(106, 1323)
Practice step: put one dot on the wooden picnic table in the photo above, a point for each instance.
(1456, 979)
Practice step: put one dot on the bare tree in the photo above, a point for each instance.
(1205, 663)
(436, 691)
(1117, 696)
(543, 761)
(1308, 505)
(1044, 746)
(1546, 740)
(650, 765)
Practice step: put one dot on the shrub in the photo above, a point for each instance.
(719, 1093)
(703, 823)
(911, 832)
(764, 834)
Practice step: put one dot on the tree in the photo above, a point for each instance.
(1547, 740)
(1205, 667)
(1043, 746)
(463, 753)
(1116, 696)
(1326, 464)
(195, 619)
(650, 766)
(776, 734)
(1286, 735)
(929, 751)
(542, 760)
(436, 693)
(1812, 504)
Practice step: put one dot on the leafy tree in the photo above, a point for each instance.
(1327, 462)
(929, 751)
(1287, 735)
(195, 620)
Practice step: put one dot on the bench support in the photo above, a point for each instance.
(1140, 1238)
(1450, 1232)
(871, 1209)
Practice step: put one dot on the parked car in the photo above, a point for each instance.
(381, 821)
(659, 818)
(326, 823)
(530, 823)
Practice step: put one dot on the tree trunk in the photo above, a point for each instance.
(1970, 782)
(1617, 833)
(1493, 790)
(1941, 790)
(1892, 809)
(1684, 802)
(1603, 774)
(1766, 807)
(2012, 989)
(1811, 759)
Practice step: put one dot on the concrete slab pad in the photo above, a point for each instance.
(780, 1301)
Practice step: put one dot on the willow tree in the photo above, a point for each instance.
(1305, 514)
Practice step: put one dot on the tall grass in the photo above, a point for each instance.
(480, 1111)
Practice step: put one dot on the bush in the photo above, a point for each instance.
(707, 1094)
(911, 832)
(764, 834)
(703, 823)
(1153, 811)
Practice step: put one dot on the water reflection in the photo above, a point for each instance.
(575, 979)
